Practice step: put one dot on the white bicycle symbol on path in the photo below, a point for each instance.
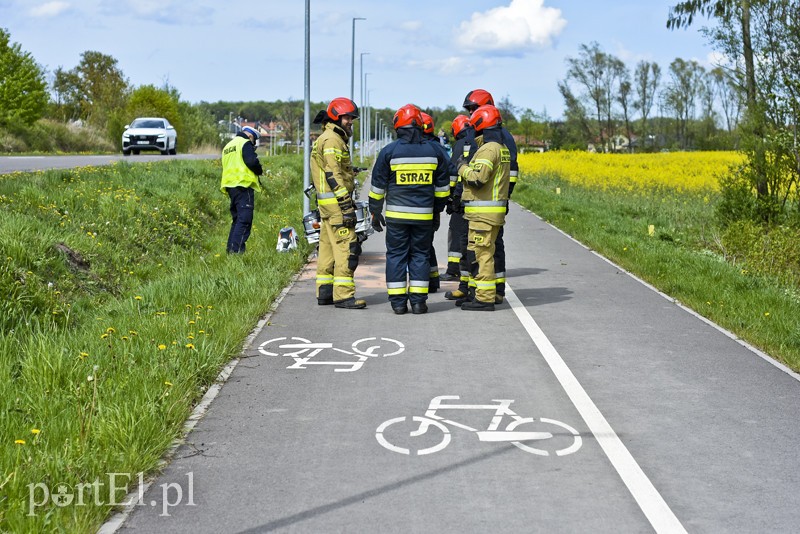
(511, 433)
(304, 352)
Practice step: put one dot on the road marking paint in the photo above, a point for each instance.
(646, 495)
(763, 355)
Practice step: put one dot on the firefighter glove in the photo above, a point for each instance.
(437, 218)
(448, 208)
(349, 219)
(378, 222)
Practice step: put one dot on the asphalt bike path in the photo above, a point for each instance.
(587, 402)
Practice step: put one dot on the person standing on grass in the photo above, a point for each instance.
(240, 171)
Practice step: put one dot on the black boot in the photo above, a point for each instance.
(351, 304)
(476, 305)
(400, 310)
(419, 308)
(325, 295)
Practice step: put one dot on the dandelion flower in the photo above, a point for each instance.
(766, 314)
(83, 355)
(19, 441)
(110, 330)
(190, 346)
(161, 346)
(168, 383)
(137, 297)
(35, 431)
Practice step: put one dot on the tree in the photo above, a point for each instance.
(682, 93)
(23, 90)
(729, 97)
(646, 81)
(682, 15)
(588, 71)
(103, 86)
(508, 112)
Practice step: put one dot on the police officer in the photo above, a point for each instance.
(334, 181)
(480, 97)
(410, 175)
(486, 184)
(240, 171)
(429, 136)
(457, 267)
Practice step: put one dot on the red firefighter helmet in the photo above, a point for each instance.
(485, 117)
(477, 98)
(427, 123)
(408, 115)
(342, 106)
(459, 123)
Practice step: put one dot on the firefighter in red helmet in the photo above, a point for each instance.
(457, 268)
(486, 181)
(411, 176)
(334, 180)
(429, 136)
(474, 99)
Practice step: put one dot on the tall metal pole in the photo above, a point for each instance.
(307, 110)
(361, 104)
(365, 120)
(353, 69)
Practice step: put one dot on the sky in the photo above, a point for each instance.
(417, 51)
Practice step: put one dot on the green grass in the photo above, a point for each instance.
(683, 257)
(108, 340)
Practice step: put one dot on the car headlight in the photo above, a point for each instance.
(161, 136)
(126, 135)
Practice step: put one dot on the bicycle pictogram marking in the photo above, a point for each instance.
(522, 439)
(304, 352)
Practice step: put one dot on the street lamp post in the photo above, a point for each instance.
(353, 68)
(361, 102)
(365, 119)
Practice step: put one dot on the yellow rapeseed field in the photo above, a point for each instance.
(683, 171)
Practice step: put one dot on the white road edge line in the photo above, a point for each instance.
(116, 521)
(763, 355)
(646, 495)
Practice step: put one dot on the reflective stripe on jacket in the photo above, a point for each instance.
(411, 176)
(486, 182)
(331, 171)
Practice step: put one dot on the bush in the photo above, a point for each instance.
(765, 250)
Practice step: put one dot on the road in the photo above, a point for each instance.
(587, 403)
(10, 164)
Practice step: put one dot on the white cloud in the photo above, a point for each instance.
(522, 25)
(448, 66)
(50, 9)
(411, 25)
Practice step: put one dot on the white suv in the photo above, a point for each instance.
(149, 133)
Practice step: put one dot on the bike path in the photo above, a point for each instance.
(292, 446)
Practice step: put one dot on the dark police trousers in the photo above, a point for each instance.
(407, 265)
(242, 202)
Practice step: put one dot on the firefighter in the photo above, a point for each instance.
(486, 182)
(457, 267)
(411, 176)
(428, 135)
(334, 181)
(240, 171)
(480, 97)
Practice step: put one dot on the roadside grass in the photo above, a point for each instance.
(120, 308)
(682, 257)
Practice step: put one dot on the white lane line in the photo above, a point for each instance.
(646, 495)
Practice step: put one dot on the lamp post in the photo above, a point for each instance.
(307, 108)
(365, 119)
(361, 103)
(353, 68)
